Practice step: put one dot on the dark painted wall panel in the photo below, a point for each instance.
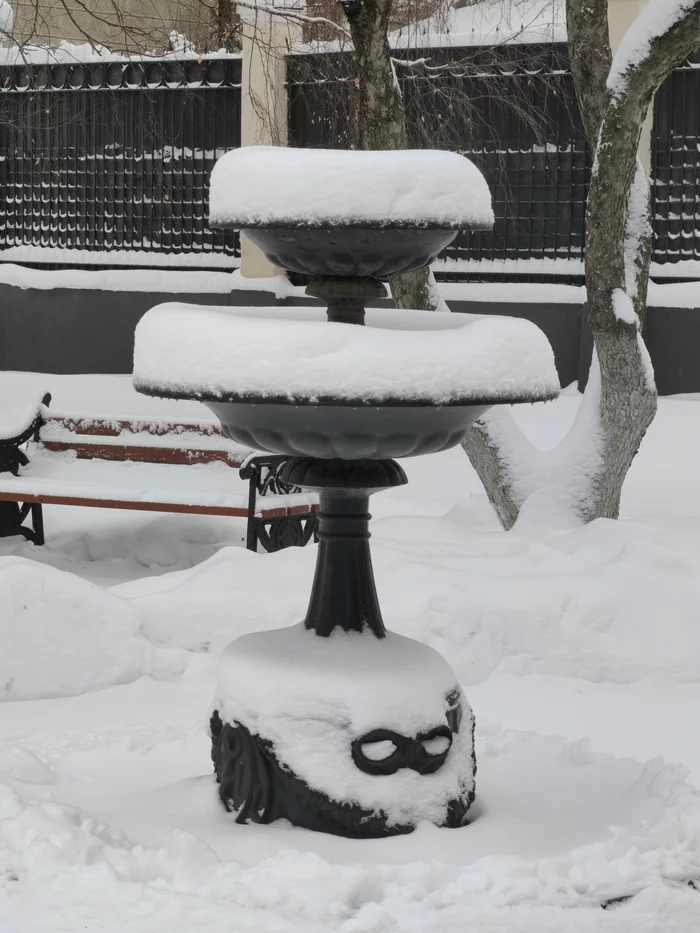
(87, 331)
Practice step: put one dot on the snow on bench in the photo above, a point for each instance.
(156, 465)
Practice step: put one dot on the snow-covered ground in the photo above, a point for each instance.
(579, 650)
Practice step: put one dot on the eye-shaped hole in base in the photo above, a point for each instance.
(378, 751)
(438, 745)
(381, 751)
(429, 751)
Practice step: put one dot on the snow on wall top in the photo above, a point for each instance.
(295, 354)
(73, 53)
(265, 185)
(654, 20)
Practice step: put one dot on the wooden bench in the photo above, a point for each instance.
(154, 464)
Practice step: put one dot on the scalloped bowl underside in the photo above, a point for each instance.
(350, 433)
(351, 251)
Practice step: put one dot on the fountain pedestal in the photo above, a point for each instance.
(343, 594)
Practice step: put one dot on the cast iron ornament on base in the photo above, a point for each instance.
(258, 789)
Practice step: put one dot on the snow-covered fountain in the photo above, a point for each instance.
(337, 724)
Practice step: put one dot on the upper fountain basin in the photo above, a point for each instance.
(287, 381)
(338, 212)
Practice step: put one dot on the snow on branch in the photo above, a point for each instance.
(292, 14)
(657, 19)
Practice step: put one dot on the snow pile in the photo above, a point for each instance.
(581, 603)
(580, 648)
(61, 636)
(655, 19)
(259, 186)
(70, 867)
(191, 608)
(312, 697)
(298, 356)
(19, 764)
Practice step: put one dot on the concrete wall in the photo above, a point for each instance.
(146, 23)
(68, 330)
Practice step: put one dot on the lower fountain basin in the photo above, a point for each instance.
(288, 382)
(343, 431)
(350, 251)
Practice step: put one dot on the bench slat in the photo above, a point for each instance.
(119, 452)
(85, 502)
(134, 506)
(106, 427)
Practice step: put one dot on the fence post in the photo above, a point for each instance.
(265, 42)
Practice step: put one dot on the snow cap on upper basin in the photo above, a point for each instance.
(260, 186)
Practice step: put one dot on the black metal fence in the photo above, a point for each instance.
(514, 113)
(511, 110)
(115, 156)
(676, 166)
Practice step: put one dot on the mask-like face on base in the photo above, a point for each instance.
(383, 751)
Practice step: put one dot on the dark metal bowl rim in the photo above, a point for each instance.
(334, 402)
(243, 224)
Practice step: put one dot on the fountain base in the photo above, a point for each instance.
(348, 734)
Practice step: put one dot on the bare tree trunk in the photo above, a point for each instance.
(381, 118)
(381, 115)
(618, 252)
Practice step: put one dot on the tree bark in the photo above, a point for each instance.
(382, 122)
(590, 56)
(628, 395)
(381, 117)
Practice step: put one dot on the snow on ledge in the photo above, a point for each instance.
(295, 354)
(119, 257)
(265, 185)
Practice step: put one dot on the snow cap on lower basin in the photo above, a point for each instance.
(295, 354)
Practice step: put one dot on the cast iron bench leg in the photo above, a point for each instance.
(38, 523)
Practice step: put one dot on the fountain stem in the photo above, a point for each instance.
(344, 595)
(346, 297)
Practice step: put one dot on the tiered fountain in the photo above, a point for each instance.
(336, 724)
